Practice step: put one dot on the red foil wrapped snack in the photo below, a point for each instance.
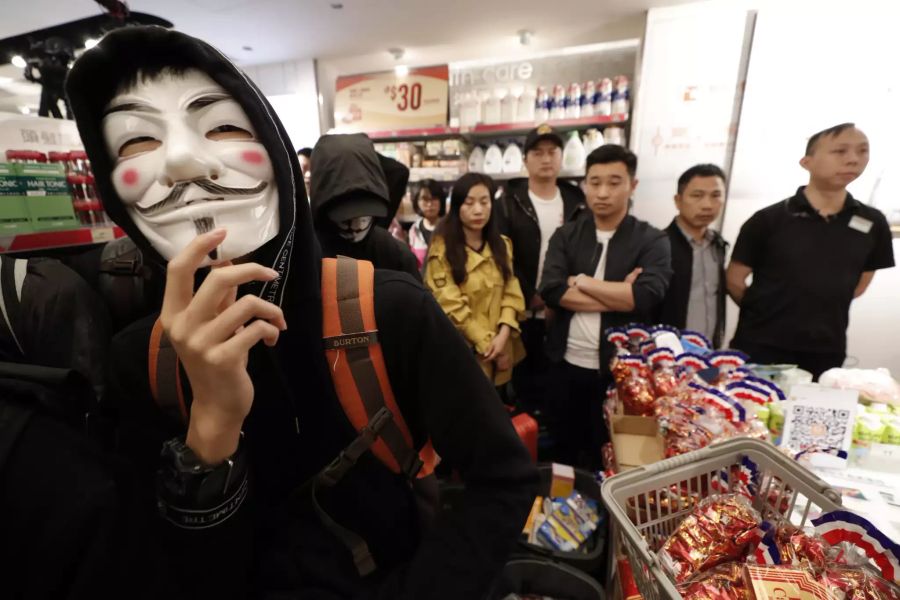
(632, 377)
(860, 583)
(722, 582)
(717, 531)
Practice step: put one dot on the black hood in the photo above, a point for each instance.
(97, 77)
(347, 168)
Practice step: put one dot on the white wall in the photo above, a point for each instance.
(292, 90)
(813, 66)
(692, 74)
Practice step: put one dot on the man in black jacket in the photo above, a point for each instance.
(355, 193)
(603, 270)
(531, 211)
(174, 129)
(696, 296)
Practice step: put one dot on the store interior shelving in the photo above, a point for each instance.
(42, 240)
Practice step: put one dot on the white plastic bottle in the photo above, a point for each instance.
(573, 154)
(525, 105)
(476, 160)
(512, 159)
(620, 97)
(508, 106)
(604, 98)
(542, 105)
(493, 160)
(491, 108)
(593, 139)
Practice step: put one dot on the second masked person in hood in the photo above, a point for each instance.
(191, 161)
(355, 192)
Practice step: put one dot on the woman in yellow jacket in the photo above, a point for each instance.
(469, 271)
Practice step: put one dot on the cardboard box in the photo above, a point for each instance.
(51, 213)
(14, 217)
(45, 169)
(636, 441)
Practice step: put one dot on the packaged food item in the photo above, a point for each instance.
(633, 388)
(859, 583)
(784, 583)
(536, 509)
(562, 482)
(718, 530)
(722, 582)
(840, 526)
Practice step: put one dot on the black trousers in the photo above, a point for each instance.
(531, 377)
(578, 427)
(814, 362)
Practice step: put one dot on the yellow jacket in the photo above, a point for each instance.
(481, 303)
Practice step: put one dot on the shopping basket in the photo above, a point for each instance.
(647, 504)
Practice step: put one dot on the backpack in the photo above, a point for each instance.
(360, 378)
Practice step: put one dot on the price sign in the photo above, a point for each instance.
(385, 100)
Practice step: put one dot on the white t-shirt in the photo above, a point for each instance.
(550, 216)
(583, 349)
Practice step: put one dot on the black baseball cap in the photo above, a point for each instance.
(540, 133)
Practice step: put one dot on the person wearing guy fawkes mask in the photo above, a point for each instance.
(192, 162)
(355, 192)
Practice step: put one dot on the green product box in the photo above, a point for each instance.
(14, 216)
(46, 169)
(51, 212)
(45, 186)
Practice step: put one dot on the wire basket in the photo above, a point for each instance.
(647, 504)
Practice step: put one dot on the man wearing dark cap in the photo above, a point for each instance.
(531, 211)
(355, 193)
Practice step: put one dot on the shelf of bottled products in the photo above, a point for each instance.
(493, 130)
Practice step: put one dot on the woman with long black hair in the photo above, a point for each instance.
(429, 203)
(469, 271)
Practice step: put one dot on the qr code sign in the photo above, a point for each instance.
(817, 427)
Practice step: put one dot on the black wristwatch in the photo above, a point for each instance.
(193, 495)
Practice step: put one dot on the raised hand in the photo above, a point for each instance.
(212, 332)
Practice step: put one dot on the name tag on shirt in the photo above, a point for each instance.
(860, 224)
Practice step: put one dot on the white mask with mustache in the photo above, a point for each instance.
(354, 230)
(187, 160)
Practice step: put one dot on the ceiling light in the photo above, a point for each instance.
(247, 48)
(525, 36)
(337, 5)
(24, 110)
(90, 43)
(397, 53)
(401, 70)
(18, 61)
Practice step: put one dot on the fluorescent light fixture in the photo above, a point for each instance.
(401, 70)
(321, 100)
(18, 61)
(90, 43)
(24, 110)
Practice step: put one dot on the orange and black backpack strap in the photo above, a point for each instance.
(358, 370)
(165, 376)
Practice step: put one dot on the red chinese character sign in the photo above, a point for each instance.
(385, 100)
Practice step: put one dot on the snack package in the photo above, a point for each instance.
(859, 583)
(663, 379)
(840, 526)
(718, 530)
(632, 376)
(722, 582)
(784, 583)
(783, 543)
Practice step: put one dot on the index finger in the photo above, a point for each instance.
(180, 270)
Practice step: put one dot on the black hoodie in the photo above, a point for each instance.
(345, 167)
(272, 548)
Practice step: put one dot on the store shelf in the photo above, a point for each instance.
(451, 174)
(408, 134)
(501, 129)
(59, 239)
(494, 130)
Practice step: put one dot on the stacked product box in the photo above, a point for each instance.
(43, 191)
(14, 217)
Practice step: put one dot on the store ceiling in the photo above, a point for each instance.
(277, 30)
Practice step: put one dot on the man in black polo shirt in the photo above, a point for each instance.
(810, 256)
